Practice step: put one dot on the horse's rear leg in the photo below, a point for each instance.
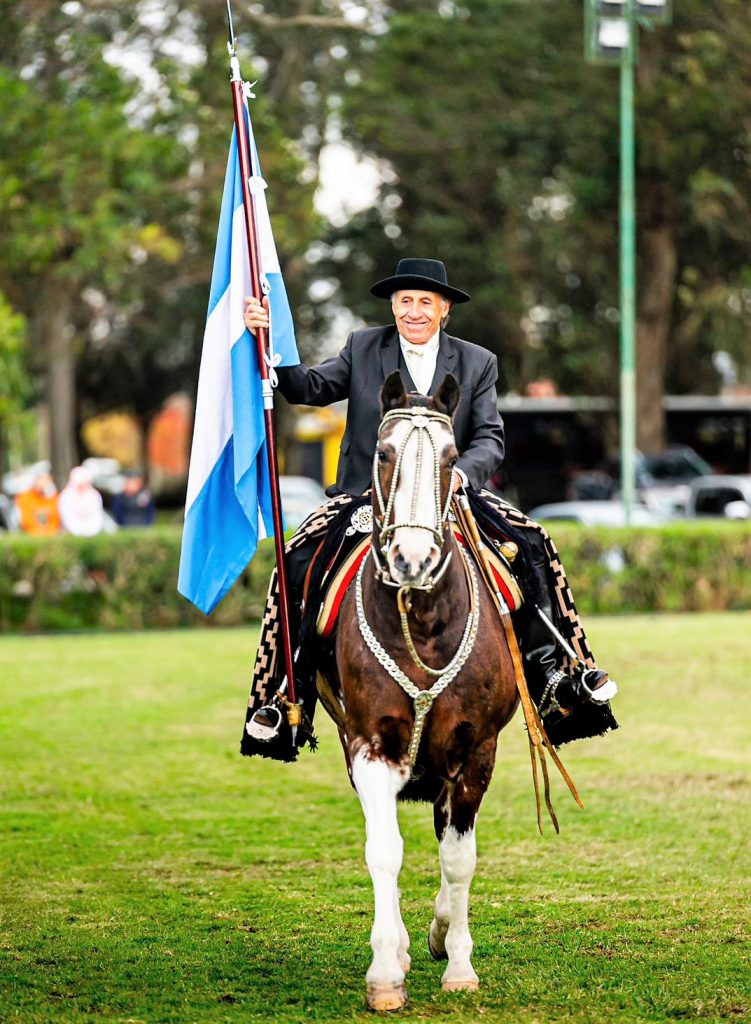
(378, 783)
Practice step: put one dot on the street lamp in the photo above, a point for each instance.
(611, 37)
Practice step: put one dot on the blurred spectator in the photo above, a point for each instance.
(38, 510)
(81, 505)
(544, 387)
(134, 505)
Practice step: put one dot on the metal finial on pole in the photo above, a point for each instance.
(234, 63)
(232, 44)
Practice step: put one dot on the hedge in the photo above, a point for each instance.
(127, 580)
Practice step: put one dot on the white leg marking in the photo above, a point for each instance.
(377, 784)
(403, 951)
(439, 926)
(458, 855)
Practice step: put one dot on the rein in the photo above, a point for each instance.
(536, 734)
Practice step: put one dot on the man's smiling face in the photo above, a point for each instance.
(418, 314)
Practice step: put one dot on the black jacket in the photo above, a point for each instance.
(358, 374)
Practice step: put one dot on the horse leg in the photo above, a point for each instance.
(439, 926)
(377, 783)
(458, 858)
(449, 932)
(403, 951)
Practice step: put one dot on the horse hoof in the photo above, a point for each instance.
(386, 998)
(469, 985)
(437, 954)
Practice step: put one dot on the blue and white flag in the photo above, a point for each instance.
(228, 506)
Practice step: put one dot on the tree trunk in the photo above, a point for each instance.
(657, 270)
(55, 337)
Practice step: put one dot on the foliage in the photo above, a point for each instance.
(688, 566)
(15, 384)
(151, 874)
(502, 149)
(114, 129)
(83, 204)
(128, 580)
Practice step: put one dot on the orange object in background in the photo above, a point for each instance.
(38, 510)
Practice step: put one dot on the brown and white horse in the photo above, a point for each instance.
(419, 620)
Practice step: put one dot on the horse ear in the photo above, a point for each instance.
(393, 395)
(447, 396)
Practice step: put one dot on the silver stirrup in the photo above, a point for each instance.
(262, 731)
(603, 693)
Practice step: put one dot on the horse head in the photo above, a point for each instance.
(412, 479)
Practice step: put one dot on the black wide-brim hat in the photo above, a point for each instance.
(425, 275)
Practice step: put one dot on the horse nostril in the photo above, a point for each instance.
(427, 562)
(400, 562)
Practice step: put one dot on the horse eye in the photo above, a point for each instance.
(382, 455)
(453, 461)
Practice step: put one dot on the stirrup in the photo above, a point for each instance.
(581, 691)
(261, 725)
(598, 694)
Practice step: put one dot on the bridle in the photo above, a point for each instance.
(420, 420)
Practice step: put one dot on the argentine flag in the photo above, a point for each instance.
(228, 505)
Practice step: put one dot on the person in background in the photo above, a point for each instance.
(81, 505)
(37, 508)
(134, 506)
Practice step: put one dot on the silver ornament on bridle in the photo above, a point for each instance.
(420, 420)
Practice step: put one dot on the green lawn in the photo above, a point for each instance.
(151, 874)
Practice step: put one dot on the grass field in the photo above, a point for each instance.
(151, 874)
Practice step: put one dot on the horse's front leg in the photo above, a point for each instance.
(449, 937)
(377, 783)
(458, 859)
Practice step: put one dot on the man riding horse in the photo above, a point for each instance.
(569, 689)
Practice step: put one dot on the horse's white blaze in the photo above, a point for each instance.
(458, 855)
(377, 784)
(417, 547)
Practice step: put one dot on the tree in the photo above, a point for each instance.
(113, 169)
(502, 150)
(83, 199)
(15, 383)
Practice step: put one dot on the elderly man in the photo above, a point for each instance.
(418, 346)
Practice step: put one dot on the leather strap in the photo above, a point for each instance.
(536, 734)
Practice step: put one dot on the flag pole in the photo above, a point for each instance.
(294, 710)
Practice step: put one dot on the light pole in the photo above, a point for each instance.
(611, 37)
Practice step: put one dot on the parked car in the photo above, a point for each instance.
(728, 496)
(678, 464)
(300, 496)
(596, 513)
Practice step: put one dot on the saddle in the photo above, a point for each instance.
(345, 564)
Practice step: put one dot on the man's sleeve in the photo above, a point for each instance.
(318, 385)
(485, 453)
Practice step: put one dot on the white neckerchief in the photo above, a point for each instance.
(421, 360)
